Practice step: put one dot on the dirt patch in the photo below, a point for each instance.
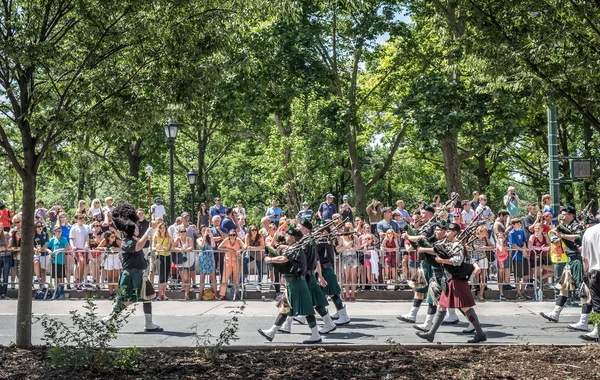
(516, 362)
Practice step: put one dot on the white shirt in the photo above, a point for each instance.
(467, 216)
(240, 211)
(107, 209)
(157, 211)
(95, 211)
(591, 247)
(172, 230)
(486, 213)
(79, 235)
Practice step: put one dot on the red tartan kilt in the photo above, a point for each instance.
(457, 295)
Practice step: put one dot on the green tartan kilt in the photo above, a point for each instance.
(318, 298)
(299, 297)
(428, 273)
(438, 274)
(576, 267)
(130, 285)
(333, 287)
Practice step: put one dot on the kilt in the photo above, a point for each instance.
(438, 274)
(333, 287)
(428, 273)
(130, 284)
(457, 295)
(318, 298)
(576, 267)
(299, 296)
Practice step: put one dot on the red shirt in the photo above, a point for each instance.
(7, 213)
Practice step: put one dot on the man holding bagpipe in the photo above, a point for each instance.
(291, 262)
(314, 279)
(455, 290)
(573, 277)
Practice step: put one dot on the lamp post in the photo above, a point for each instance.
(192, 178)
(171, 129)
(149, 171)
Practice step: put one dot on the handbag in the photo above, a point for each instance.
(178, 258)
(208, 295)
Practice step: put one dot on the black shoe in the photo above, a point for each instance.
(418, 327)
(469, 330)
(404, 319)
(261, 332)
(588, 338)
(158, 329)
(548, 317)
(426, 336)
(312, 341)
(68, 286)
(194, 286)
(477, 339)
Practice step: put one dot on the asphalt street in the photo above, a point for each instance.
(373, 323)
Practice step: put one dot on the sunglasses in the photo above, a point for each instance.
(182, 232)
(234, 235)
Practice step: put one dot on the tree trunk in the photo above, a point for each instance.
(483, 174)
(452, 162)
(23, 327)
(80, 183)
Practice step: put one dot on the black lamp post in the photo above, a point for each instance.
(192, 178)
(171, 129)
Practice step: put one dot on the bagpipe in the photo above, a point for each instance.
(411, 231)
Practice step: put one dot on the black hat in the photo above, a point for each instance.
(306, 224)
(295, 233)
(570, 210)
(440, 226)
(453, 227)
(429, 208)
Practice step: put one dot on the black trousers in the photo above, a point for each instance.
(595, 291)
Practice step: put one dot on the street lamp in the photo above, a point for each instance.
(192, 178)
(171, 129)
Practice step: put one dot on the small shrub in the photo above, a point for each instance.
(204, 343)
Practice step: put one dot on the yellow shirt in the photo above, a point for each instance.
(165, 243)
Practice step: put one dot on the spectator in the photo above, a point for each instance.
(348, 247)
(518, 244)
(203, 216)
(112, 262)
(109, 205)
(503, 262)
(14, 245)
(255, 243)
(529, 220)
(96, 237)
(346, 209)
(157, 210)
(53, 214)
(161, 244)
(239, 209)
(217, 237)
(374, 214)
(143, 226)
(58, 245)
(5, 216)
(512, 202)
(305, 212)
(420, 205)
(404, 215)
(486, 213)
(467, 213)
(369, 247)
(457, 204)
(232, 246)
(95, 209)
(274, 212)
(437, 203)
(359, 224)
(80, 243)
(548, 222)
(500, 223)
(65, 228)
(480, 247)
(539, 243)
(547, 207)
(284, 224)
(475, 201)
(265, 222)
(242, 227)
(80, 208)
(6, 259)
(109, 224)
(390, 247)
(182, 245)
(457, 218)
(192, 234)
(173, 227)
(218, 209)
(41, 259)
(41, 212)
(386, 223)
(206, 263)
(230, 222)
(327, 208)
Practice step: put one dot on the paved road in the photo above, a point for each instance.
(373, 322)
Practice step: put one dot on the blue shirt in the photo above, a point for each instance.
(217, 211)
(517, 238)
(383, 226)
(401, 222)
(327, 210)
(227, 224)
(55, 244)
(274, 211)
(66, 232)
(512, 207)
(549, 209)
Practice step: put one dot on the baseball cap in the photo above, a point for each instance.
(329, 196)
(157, 198)
(305, 203)
(547, 214)
(184, 214)
(345, 197)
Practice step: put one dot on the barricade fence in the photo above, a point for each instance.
(231, 274)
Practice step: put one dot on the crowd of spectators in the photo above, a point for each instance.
(222, 254)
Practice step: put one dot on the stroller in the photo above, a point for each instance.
(174, 278)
